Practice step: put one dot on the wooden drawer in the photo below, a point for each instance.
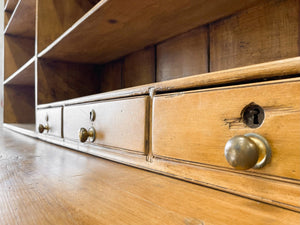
(118, 123)
(194, 126)
(51, 117)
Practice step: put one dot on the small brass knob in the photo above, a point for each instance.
(85, 134)
(42, 128)
(248, 151)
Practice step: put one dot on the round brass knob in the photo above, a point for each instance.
(85, 134)
(248, 151)
(42, 128)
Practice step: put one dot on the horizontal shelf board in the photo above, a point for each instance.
(23, 128)
(22, 21)
(10, 5)
(23, 76)
(116, 28)
(269, 70)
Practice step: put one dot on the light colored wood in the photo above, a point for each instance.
(266, 32)
(139, 68)
(54, 121)
(69, 188)
(23, 76)
(270, 70)
(10, 5)
(19, 104)
(128, 26)
(183, 55)
(111, 76)
(195, 126)
(59, 80)
(22, 21)
(56, 16)
(17, 51)
(119, 124)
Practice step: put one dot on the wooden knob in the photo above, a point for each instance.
(42, 128)
(85, 134)
(248, 151)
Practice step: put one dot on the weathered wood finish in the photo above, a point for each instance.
(56, 16)
(17, 51)
(54, 122)
(111, 76)
(119, 123)
(23, 76)
(19, 104)
(10, 5)
(183, 55)
(59, 80)
(266, 32)
(21, 25)
(139, 68)
(128, 26)
(69, 188)
(195, 126)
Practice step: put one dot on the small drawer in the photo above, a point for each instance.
(49, 121)
(117, 123)
(194, 126)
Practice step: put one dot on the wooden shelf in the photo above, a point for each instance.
(23, 76)
(117, 28)
(22, 21)
(10, 5)
(17, 52)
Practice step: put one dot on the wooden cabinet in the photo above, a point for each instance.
(118, 124)
(163, 84)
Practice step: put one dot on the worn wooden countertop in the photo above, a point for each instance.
(42, 183)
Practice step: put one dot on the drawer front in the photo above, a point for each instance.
(195, 126)
(51, 117)
(118, 123)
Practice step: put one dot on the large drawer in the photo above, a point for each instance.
(194, 126)
(118, 123)
(51, 118)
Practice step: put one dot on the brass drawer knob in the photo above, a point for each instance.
(248, 151)
(85, 134)
(42, 128)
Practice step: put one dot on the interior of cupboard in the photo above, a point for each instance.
(19, 36)
(56, 16)
(265, 32)
(19, 97)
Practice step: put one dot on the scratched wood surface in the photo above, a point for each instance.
(46, 184)
(195, 126)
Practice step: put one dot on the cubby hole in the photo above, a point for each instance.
(17, 51)
(19, 98)
(56, 16)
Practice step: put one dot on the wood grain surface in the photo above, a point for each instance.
(183, 55)
(60, 80)
(195, 126)
(119, 123)
(9, 5)
(17, 51)
(111, 76)
(54, 122)
(46, 184)
(269, 31)
(22, 21)
(128, 26)
(19, 104)
(139, 68)
(56, 16)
